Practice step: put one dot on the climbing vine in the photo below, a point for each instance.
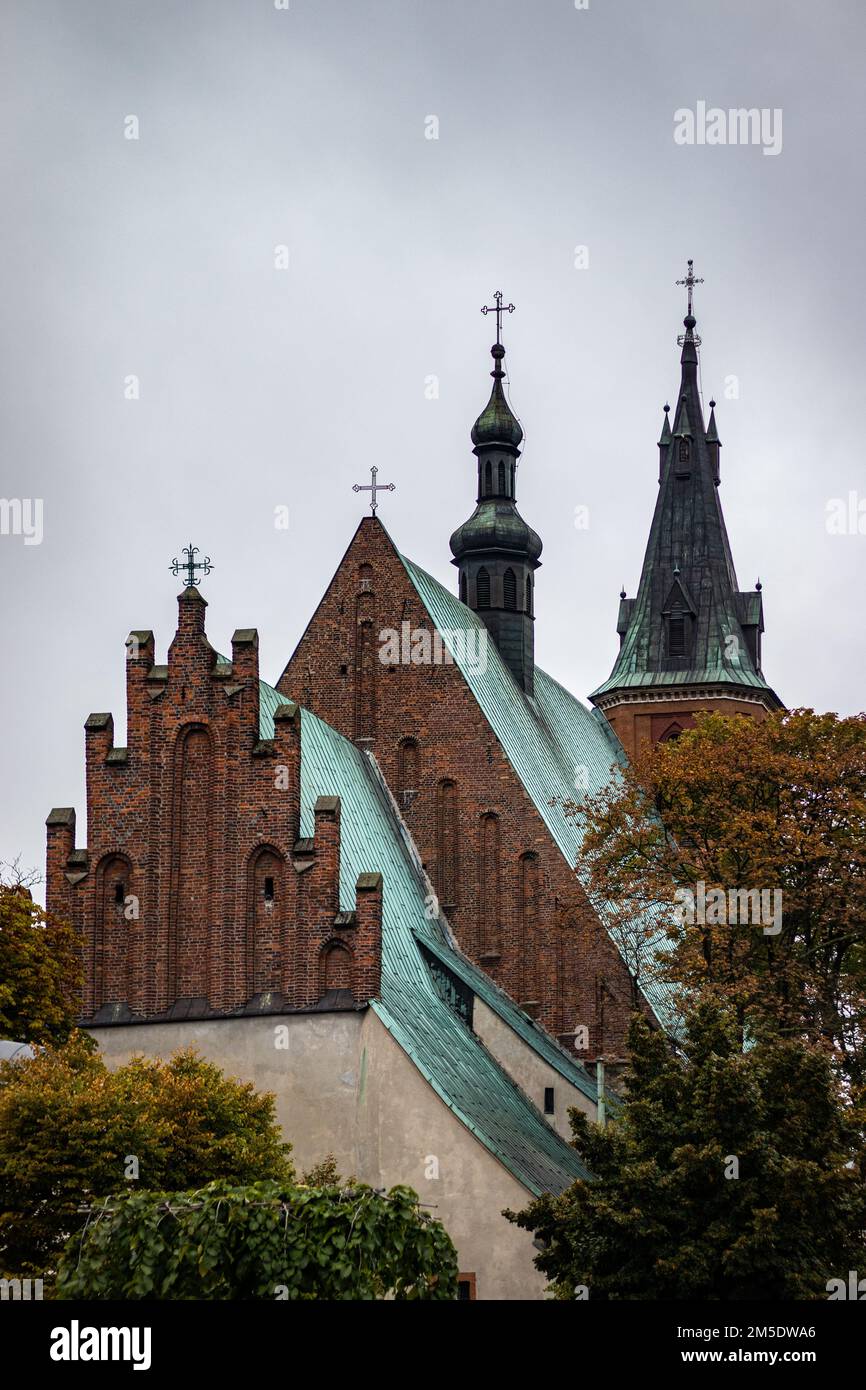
(267, 1240)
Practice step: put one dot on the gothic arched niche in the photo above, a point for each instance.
(116, 907)
(190, 908)
(336, 967)
(489, 884)
(365, 679)
(447, 831)
(265, 913)
(527, 907)
(509, 589)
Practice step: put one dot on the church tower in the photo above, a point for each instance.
(495, 551)
(690, 640)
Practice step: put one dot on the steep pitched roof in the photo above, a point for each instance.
(554, 743)
(688, 540)
(447, 1053)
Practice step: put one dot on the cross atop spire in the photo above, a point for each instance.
(690, 336)
(690, 281)
(190, 565)
(498, 309)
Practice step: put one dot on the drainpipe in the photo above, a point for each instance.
(599, 1083)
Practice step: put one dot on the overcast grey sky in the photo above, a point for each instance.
(259, 387)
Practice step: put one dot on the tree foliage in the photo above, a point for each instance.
(263, 1241)
(40, 969)
(733, 803)
(72, 1131)
(668, 1215)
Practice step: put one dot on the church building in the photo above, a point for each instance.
(358, 888)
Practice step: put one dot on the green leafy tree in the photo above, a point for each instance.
(40, 967)
(72, 1131)
(267, 1240)
(730, 1175)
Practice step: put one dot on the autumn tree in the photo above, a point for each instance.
(40, 967)
(72, 1131)
(743, 845)
(725, 1173)
(269, 1240)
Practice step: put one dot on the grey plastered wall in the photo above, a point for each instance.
(531, 1072)
(343, 1085)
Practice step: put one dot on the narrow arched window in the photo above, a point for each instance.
(509, 588)
(407, 771)
(501, 478)
(684, 451)
(482, 589)
(463, 587)
(529, 594)
(488, 479)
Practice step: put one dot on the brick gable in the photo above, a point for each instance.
(518, 908)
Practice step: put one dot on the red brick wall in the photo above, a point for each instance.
(188, 829)
(533, 930)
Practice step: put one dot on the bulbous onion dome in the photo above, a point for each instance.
(496, 525)
(496, 424)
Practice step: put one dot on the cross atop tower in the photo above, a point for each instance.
(190, 564)
(373, 487)
(499, 309)
(690, 281)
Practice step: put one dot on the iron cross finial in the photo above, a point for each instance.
(690, 281)
(190, 565)
(498, 309)
(373, 487)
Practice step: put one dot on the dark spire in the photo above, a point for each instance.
(495, 551)
(665, 437)
(688, 625)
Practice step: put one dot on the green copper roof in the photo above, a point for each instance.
(497, 424)
(496, 524)
(557, 747)
(448, 1054)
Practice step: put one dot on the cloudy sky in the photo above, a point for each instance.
(411, 158)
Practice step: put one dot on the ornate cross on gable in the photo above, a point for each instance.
(190, 565)
(373, 487)
(498, 309)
